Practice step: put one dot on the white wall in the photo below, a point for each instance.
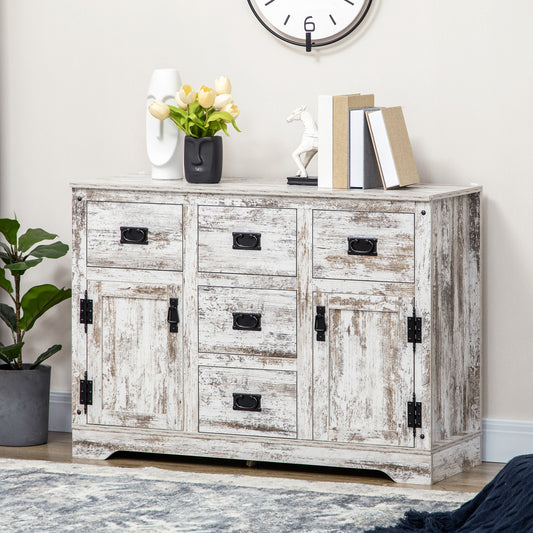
(73, 82)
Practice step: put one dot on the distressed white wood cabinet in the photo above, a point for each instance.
(291, 324)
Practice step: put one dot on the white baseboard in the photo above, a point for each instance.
(502, 439)
(505, 439)
(60, 418)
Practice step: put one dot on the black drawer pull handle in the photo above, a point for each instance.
(246, 241)
(247, 321)
(360, 246)
(173, 317)
(131, 235)
(246, 402)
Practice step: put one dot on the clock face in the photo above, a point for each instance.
(310, 22)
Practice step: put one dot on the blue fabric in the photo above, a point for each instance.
(504, 505)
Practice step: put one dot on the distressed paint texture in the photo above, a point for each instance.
(340, 402)
(395, 246)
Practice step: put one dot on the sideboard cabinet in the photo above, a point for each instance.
(265, 322)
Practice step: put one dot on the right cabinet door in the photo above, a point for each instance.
(363, 369)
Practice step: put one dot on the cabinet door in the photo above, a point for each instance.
(133, 359)
(363, 370)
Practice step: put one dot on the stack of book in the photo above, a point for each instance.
(363, 146)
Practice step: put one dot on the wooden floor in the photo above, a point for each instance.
(59, 449)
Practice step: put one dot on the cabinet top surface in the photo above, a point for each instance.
(249, 186)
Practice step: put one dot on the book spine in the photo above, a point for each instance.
(342, 105)
(325, 141)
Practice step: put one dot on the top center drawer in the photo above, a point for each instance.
(247, 240)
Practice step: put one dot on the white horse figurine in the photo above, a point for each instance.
(308, 147)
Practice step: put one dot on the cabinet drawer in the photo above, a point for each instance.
(247, 321)
(247, 401)
(134, 235)
(363, 246)
(245, 240)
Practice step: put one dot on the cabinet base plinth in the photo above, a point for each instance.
(403, 465)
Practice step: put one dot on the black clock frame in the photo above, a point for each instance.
(309, 44)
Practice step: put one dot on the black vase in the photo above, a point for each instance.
(203, 159)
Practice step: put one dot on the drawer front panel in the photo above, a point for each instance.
(247, 321)
(242, 401)
(363, 246)
(134, 235)
(242, 240)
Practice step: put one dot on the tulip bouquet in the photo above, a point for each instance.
(200, 114)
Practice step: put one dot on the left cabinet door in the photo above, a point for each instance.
(133, 358)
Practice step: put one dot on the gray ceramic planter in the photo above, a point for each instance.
(24, 403)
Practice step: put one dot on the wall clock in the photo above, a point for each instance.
(310, 23)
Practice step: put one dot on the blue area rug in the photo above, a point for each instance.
(39, 496)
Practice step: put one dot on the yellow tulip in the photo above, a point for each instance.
(232, 109)
(179, 101)
(206, 97)
(222, 85)
(159, 109)
(222, 100)
(186, 95)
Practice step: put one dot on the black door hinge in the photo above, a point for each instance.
(86, 392)
(86, 311)
(414, 328)
(414, 414)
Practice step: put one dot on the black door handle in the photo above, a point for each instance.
(173, 317)
(320, 323)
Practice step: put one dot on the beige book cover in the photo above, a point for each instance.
(341, 107)
(393, 148)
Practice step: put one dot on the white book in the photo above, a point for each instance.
(325, 141)
(363, 170)
(392, 146)
(383, 149)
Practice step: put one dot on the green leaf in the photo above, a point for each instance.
(4, 282)
(38, 300)
(11, 352)
(44, 356)
(53, 251)
(9, 228)
(21, 267)
(224, 128)
(220, 115)
(33, 236)
(177, 112)
(8, 315)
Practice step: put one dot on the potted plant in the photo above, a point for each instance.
(25, 388)
(200, 116)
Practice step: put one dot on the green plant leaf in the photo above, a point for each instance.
(8, 315)
(4, 282)
(9, 228)
(53, 251)
(33, 236)
(177, 112)
(11, 352)
(38, 300)
(21, 267)
(45, 355)
(220, 115)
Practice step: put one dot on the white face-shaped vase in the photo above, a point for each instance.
(164, 142)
